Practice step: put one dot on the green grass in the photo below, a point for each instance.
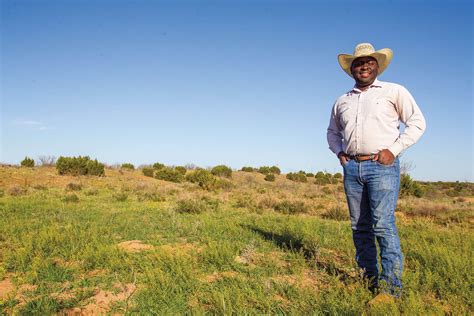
(220, 260)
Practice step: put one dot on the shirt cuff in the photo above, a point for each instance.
(396, 148)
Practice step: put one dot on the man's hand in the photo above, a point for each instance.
(343, 158)
(385, 157)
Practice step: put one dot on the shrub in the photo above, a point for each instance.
(121, 196)
(196, 206)
(264, 170)
(169, 174)
(71, 198)
(275, 170)
(181, 170)
(76, 166)
(28, 162)
(222, 171)
(158, 166)
(409, 187)
(150, 196)
(323, 178)
(338, 176)
(291, 207)
(128, 166)
(204, 178)
(297, 177)
(148, 172)
(2, 193)
(247, 169)
(74, 187)
(269, 177)
(309, 175)
(337, 213)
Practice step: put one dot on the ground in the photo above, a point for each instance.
(126, 243)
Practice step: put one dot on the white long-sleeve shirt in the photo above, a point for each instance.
(365, 122)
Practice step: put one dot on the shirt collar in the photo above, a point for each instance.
(375, 84)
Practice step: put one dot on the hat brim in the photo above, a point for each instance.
(383, 57)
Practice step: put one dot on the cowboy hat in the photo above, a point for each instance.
(383, 57)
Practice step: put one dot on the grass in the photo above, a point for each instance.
(259, 248)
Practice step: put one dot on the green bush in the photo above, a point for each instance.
(128, 166)
(76, 166)
(275, 170)
(291, 207)
(264, 170)
(169, 174)
(338, 176)
(297, 177)
(309, 175)
(222, 171)
(28, 162)
(148, 172)
(196, 206)
(247, 169)
(181, 170)
(204, 178)
(158, 166)
(269, 177)
(409, 187)
(323, 178)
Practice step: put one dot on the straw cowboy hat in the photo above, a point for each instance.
(383, 57)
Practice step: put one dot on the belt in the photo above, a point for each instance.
(360, 158)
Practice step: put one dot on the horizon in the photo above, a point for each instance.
(236, 83)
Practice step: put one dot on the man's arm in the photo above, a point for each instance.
(415, 124)
(334, 136)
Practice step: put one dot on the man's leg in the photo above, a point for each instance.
(383, 184)
(361, 222)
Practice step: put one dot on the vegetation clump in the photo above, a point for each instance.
(169, 174)
(73, 186)
(264, 170)
(297, 177)
(222, 171)
(336, 213)
(247, 169)
(275, 170)
(71, 198)
(28, 162)
(148, 172)
(76, 166)
(323, 178)
(196, 205)
(409, 187)
(128, 166)
(291, 207)
(181, 169)
(270, 177)
(158, 166)
(204, 178)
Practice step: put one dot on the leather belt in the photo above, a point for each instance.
(360, 158)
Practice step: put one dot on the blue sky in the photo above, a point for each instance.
(225, 82)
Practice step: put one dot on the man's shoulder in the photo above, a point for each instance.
(391, 85)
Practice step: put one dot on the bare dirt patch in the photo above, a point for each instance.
(134, 246)
(6, 288)
(102, 300)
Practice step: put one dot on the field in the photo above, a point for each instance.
(128, 244)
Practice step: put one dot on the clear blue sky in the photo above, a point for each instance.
(225, 82)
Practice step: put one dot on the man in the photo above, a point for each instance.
(364, 134)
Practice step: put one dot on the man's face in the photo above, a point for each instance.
(364, 70)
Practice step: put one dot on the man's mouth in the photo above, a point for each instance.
(365, 74)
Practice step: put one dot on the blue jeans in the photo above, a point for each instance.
(372, 191)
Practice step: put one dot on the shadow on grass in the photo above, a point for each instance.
(309, 248)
